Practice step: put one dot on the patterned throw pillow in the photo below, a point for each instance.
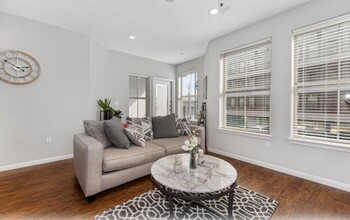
(135, 136)
(96, 130)
(183, 126)
(144, 125)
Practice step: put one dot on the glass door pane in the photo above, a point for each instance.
(162, 100)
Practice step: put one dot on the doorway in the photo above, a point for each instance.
(163, 96)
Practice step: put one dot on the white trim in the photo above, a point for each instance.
(35, 162)
(244, 133)
(153, 81)
(292, 107)
(222, 95)
(331, 85)
(252, 44)
(139, 75)
(187, 72)
(322, 24)
(162, 79)
(179, 93)
(307, 176)
(320, 144)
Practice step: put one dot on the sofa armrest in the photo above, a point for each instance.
(201, 135)
(88, 157)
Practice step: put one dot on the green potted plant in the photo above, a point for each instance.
(117, 113)
(107, 111)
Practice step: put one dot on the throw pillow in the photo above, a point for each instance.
(115, 131)
(164, 126)
(96, 130)
(144, 125)
(135, 136)
(183, 126)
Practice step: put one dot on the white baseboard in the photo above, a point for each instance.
(310, 177)
(35, 162)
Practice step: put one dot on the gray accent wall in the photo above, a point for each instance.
(326, 166)
(76, 71)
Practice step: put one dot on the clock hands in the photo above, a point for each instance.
(16, 67)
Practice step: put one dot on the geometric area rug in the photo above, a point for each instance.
(247, 204)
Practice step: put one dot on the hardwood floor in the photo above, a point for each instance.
(50, 191)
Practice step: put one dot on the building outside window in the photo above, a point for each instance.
(321, 82)
(188, 94)
(245, 93)
(138, 96)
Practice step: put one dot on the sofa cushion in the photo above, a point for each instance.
(118, 158)
(96, 130)
(171, 145)
(164, 126)
(115, 132)
(143, 124)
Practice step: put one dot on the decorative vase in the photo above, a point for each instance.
(178, 164)
(193, 159)
(200, 156)
(105, 115)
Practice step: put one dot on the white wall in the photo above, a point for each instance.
(121, 65)
(99, 77)
(76, 71)
(326, 166)
(55, 104)
(195, 64)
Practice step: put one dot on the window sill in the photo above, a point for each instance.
(320, 144)
(243, 133)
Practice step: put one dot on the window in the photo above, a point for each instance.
(138, 96)
(187, 95)
(245, 93)
(321, 82)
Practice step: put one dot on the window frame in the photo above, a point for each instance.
(180, 96)
(305, 140)
(146, 98)
(222, 101)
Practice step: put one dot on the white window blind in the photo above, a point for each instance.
(245, 96)
(321, 82)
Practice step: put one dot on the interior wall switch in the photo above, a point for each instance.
(48, 139)
(116, 103)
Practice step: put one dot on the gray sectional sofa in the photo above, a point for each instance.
(98, 168)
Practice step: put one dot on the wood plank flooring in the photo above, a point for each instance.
(50, 191)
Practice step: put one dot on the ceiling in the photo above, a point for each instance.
(171, 31)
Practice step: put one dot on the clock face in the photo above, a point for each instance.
(17, 67)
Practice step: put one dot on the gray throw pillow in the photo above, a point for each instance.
(115, 131)
(164, 126)
(96, 130)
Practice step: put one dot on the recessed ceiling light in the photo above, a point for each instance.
(213, 11)
(132, 37)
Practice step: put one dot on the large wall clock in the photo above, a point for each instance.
(17, 67)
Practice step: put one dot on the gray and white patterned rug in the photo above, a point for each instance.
(153, 204)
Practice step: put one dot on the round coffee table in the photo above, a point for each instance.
(212, 179)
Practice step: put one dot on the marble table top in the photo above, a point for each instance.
(212, 175)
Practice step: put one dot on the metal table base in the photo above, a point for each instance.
(196, 200)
